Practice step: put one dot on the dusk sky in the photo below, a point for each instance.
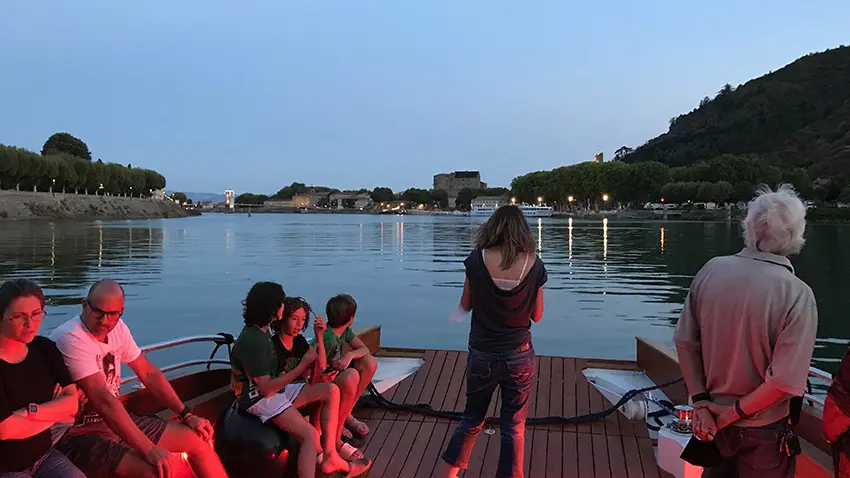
(253, 95)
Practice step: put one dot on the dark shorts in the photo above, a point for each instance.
(97, 450)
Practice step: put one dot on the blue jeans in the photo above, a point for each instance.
(53, 465)
(752, 453)
(514, 373)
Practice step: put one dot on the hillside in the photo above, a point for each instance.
(798, 116)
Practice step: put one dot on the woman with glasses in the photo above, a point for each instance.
(36, 390)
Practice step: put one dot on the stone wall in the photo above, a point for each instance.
(29, 205)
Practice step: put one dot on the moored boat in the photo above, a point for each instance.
(528, 210)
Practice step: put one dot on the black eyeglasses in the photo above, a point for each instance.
(35, 317)
(99, 313)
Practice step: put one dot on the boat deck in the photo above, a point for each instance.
(408, 445)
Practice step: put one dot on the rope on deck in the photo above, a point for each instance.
(376, 400)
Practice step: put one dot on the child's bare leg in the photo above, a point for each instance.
(328, 394)
(366, 367)
(292, 422)
(347, 382)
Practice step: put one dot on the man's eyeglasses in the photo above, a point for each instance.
(35, 317)
(100, 314)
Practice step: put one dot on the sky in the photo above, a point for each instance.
(253, 95)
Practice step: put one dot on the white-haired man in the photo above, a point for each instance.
(745, 339)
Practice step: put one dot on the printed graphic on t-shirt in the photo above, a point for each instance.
(108, 366)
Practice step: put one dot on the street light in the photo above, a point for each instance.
(605, 197)
(513, 200)
(539, 199)
(570, 199)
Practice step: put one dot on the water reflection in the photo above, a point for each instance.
(405, 272)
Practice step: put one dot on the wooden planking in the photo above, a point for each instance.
(406, 445)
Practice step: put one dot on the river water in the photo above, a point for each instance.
(608, 281)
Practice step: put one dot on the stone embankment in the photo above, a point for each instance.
(31, 205)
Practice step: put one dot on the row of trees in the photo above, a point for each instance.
(587, 183)
(24, 170)
(724, 178)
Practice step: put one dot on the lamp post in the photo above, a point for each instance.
(539, 200)
(53, 187)
(513, 200)
(131, 191)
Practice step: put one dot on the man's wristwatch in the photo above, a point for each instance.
(32, 409)
(701, 397)
(185, 413)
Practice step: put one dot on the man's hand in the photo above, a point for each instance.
(200, 425)
(164, 462)
(319, 326)
(704, 426)
(724, 415)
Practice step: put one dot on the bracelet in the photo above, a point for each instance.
(739, 411)
(701, 397)
(185, 413)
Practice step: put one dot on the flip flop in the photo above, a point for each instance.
(356, 426)
(359, 468)
(350, 453)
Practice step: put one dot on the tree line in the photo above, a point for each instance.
(59, 168)
(380, 194)
(721, 179)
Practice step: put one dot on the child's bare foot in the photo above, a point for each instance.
(356, 426)
(333, 463)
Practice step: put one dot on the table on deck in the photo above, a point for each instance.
(408, 445)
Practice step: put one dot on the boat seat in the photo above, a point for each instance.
(249, 447)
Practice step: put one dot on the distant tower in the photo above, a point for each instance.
(229, 199)
(597, 158)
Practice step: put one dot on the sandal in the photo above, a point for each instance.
(350, 453)
(356, 426)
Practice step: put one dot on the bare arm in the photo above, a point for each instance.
(22, 425)
(61, 409)
(114, 413)
(17, 426)
(360, 349)
(322, 359)
(155, 381)
(466, 297)
(537, 313)
(269, 386)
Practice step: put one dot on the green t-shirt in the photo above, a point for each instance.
(253, 356)
(334, 343)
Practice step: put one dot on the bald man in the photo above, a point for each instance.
(106, 440)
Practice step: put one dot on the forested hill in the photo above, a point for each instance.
(798, 116)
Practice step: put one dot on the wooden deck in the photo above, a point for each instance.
(407, 445)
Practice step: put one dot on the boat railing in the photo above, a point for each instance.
(818, 381)
(220, 340)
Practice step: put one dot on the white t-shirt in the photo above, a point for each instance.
(85, 355)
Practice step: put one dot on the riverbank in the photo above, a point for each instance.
(19, 205)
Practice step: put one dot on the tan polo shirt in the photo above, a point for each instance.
(749, 320)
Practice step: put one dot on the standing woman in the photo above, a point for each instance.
(504, 291)
(36, 390)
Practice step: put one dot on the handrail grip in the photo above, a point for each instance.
(183, 341)
(171, 368)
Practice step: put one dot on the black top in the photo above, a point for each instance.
(287, 359)
(501, 319)
(31, 381)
